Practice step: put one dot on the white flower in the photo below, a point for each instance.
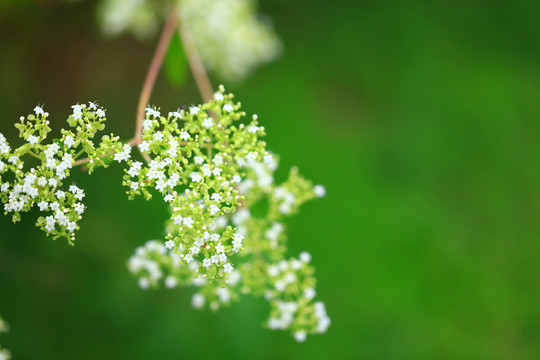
(175, 114)
(77, 193)
(4, 148)
(77, 111)
(173, 180)
(71, 226)
(79, 208)
(251, 157)
(177, 220)
(296, 264)
(207, 123)
(53, 182)
(152, 112)
(218, 96)
(280, 286)
(198, 160)
(268, 159)
(158, 136)
(184, 135)
(206, 170)
(216, 171)
(228, 108)
(69, 141)
(93, 106)
(309, 293)
(147, 124)
(144, 283)
(195, 177)
(253, 129)
(188, 222)
(171, 282)
(197, 301)
(216, 197)
(194, 110)
(195, 249)
(135, 168)
(100, 113)
(188, 258)
(207, 263)
(50, 222)
(169, 244)
(300, 336)
(38, 110)
(273, 270)
(213, 209)
(217, 160)
(134, 186)
(13, 159)
(32, 140)
(43, 205)
(168, 197)
(237, 178)
(224, 294)
(160, 185)
(227, 268)
(124, 155)
(60, 194)
(144, 146)
(220, 248)
(305, 256)
(319, 190)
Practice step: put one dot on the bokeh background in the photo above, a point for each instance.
(421, 118)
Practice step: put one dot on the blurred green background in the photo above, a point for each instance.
(421, 118)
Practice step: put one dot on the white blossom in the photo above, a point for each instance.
(319, 190)
(207, 123)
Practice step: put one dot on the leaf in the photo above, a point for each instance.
(175, 63)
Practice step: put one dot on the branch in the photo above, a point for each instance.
(195, 63)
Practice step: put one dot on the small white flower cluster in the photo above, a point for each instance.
(4, 353)
(194, 166)
(291, 298)
(139, 17)
(231, 38)
(213, 171)
(157, 264)
(42, 185)
(201, 234)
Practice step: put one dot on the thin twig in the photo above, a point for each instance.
(195, 63)
(150, 80)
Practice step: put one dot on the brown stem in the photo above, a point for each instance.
(195, 63)
(153, 71)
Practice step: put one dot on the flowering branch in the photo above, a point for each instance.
(208, 163)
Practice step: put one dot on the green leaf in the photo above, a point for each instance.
(175, 63)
